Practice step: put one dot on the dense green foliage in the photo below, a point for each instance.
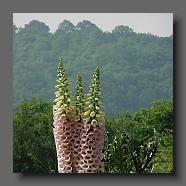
(141, 142)
(34, 148)
(136, 68)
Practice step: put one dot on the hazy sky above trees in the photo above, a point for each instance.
(160, 24)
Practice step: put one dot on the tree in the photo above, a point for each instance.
(86, 25)
(35, 27)
(122, 29)
(66, 26)
(33, 149)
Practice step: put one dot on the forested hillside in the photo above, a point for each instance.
(136, 68)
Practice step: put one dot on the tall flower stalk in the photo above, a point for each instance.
(63, 122)
(94, 126)
(79, 126)
(62, 101)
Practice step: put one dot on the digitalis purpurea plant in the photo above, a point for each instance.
(93, 133)
(78, 125)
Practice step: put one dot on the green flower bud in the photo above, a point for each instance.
(57, 99)
(97, 108)
(94, 123)
(92, 114)
(60, 110)
(68, 100)
(59, 103)
(58, 94)
(65, 106)
(86, 113)
(90, 106)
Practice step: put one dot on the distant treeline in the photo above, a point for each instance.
(136, 68)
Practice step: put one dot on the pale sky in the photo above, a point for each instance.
(160, 24)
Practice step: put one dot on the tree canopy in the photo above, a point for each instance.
(136, 68)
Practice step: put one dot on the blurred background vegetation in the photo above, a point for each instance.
(136, 68)
(137, 86)
(141, 142)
